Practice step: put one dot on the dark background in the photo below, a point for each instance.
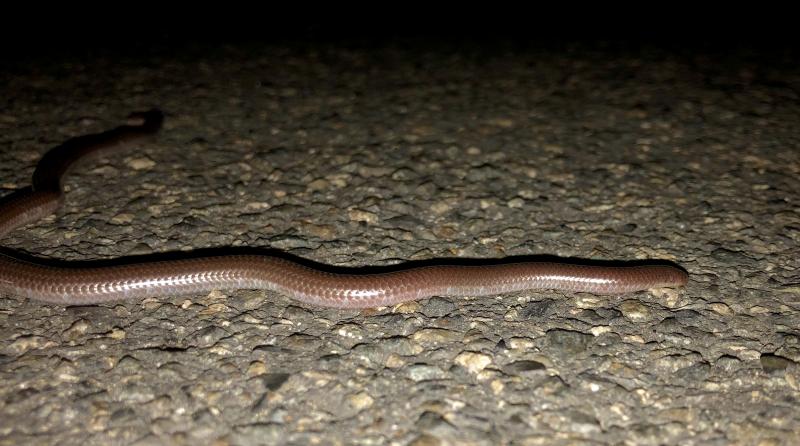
(58, 29)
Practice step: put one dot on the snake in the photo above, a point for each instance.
(74, 283)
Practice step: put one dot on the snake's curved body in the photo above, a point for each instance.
(89, 285)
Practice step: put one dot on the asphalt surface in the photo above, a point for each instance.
(364, 155)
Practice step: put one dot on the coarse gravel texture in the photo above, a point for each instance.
(352, 156)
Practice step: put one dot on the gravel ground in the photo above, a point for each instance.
(353, 156)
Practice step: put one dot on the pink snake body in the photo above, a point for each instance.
(80, 285)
